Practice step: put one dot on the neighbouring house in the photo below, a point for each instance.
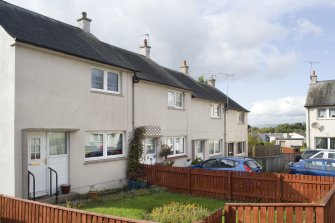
(293, 140)
(69, 102)
(320, 114)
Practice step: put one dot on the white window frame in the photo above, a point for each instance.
(214, 142)
(243, 144)
(173, 140)
(327, 141)
(326, 111)
(174, 103)
(105, 84)
(215, 111)
(104, 141)
(241, 117)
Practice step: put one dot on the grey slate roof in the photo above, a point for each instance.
(322, 93)
(35, 29)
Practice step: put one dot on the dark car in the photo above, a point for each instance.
(316, 167)
(230, 163)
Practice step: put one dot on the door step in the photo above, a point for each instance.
(51, 199)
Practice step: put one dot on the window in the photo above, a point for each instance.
(324, 143)
(215, 111)
(231, 149)
(57, 143)
(214, 147)
(103, 145)
(241, 147)
(178, 145)
(149, 146)
(106, 81)
(314, 165)
(326, 113)
(35, 149)
(175, 99)
(241, 117)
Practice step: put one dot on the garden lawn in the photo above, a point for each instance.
(137, 205)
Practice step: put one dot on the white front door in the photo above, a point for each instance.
(37, 153)
(47, 150)
(198, 149)
(149, 151)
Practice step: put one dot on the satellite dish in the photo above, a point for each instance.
(315, 125)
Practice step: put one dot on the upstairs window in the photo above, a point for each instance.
(324, 113)
(175, 99)
(105, 81)
(241, 117)
(215, 111)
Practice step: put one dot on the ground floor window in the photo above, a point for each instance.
(324, 143)
(103, 145)
(214, 147)
(178, 145)
(241, 147)
(230, 149)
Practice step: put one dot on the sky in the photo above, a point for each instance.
(267, 45)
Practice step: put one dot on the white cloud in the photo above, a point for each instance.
(282, 110)
(306, 27)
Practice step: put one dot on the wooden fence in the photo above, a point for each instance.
(322, 212)
(240, 186)
(15, 210)
(264, 150)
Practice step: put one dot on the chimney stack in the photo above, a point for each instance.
(211, 82)
(184, 67)
(145, 49)
(314, 77)
(84, 22)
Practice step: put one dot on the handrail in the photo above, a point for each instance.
(31, 174)
(57, 191)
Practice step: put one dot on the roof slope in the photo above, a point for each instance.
(32, 28)
(321, 93)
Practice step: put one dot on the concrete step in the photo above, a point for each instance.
(61, 198)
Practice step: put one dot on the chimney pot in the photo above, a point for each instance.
(84, 22)
(314, 77)
(211, 82)
(145, 49)
(184, 67)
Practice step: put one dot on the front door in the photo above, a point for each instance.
(149, 151)
(198, 150)
(37, 162)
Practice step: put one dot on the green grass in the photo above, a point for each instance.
(137, 205)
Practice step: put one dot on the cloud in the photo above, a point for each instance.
(282, 110)
(305, 27)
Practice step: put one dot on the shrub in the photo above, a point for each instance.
(196, 161)
(165, 151)
(134, 170)
(178, 213)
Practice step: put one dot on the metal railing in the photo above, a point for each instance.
(31, 174)
(57, 191)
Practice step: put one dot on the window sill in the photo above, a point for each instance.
(176, 108)
(103, 160)
(177, 157)
(215, 117)
(106, 92)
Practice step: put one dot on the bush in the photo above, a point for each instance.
(178, 213)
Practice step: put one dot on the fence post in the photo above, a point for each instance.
(279, 186)
(189, 191)
(154, 176)
(229, 185)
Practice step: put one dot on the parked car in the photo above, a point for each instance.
(307, 154)
(230, 163)
(316, 167)
(324, 154)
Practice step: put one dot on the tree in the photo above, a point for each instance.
(201, 79)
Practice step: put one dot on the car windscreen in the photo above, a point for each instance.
(252, 164)
(308, 154)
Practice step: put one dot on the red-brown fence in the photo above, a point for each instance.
(15, 210)
(241, 186)
(322, 212)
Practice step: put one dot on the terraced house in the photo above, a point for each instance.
(69, 102)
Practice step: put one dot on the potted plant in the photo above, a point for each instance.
(65, 188)
(165, 151)
(134, 168)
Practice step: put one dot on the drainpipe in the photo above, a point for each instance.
(308, 129)
(135, 80)
(225, 131)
